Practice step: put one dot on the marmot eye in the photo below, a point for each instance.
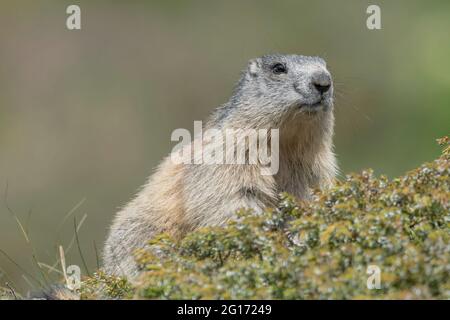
(279, 68)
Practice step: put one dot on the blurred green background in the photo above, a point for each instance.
(86, 115)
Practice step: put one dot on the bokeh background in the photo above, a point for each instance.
(86, 115)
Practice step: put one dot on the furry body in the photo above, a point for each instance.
(297, 99)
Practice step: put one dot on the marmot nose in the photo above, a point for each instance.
(321, 81)
(322, 88)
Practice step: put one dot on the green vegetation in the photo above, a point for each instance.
(315, 250)
(311, 250)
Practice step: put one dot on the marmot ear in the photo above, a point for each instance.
(254, 66)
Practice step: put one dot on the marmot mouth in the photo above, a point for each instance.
(311, 105)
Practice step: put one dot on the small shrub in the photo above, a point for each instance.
(311, 250)
(101, 285)
(319, 249)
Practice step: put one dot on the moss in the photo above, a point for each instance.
(316, 250)
(101, 285)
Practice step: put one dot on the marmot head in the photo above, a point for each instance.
(291, 81)
(276, 87)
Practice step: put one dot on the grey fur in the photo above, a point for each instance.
(181, 198)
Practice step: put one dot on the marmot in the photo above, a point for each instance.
(291, 93)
